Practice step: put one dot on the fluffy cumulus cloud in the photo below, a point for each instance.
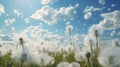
(111, 20)
(39, 34)
(36, 32)
(44, 2)
(51, 16)
(9, 21)
(87, 15)
(1, 9)
(19, 14)
(102, 2)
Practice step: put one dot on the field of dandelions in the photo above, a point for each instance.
(94, 52)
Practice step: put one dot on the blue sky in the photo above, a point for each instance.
(55, 15)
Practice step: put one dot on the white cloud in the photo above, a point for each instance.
(42, 34)
(113, 33)
(20, 15)
(51, 16)
(92, 9)
(38, 36)
(1, 9)
(102, 2)
(9, 21)
(44, 2)
(111, 20)
(87, 15)
(27, 20)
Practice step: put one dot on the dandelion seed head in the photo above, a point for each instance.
(74, 64)
(94, 28)
(45, 59)
(116, 42)
(87, 40)
(80, 57)
(109, 57)
(69, 28)
(63, 64)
